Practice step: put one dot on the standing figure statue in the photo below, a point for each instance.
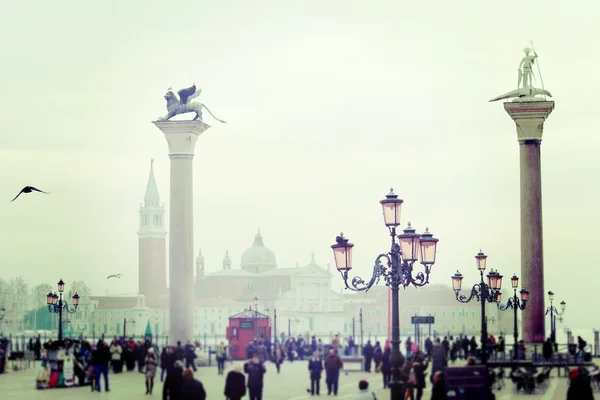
(182, 105)
(526, 69)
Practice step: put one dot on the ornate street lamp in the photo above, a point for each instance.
(553, 314)
(56, 304)
(515, 303)
(131, 321)
(255, 317)
(396, 271)
(482, 292)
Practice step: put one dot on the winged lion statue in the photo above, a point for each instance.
(182, 105)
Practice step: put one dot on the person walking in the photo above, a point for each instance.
(100, 360)
(151, 365)
(235, 384)
(333, 365)
(377, 356)
(279, 356)
(315, 366)
(221, 357)
(190, 356)
(419, 367)
(256, 371)
(191, 389)
(386, 367)
(368, 355)
(174, 381)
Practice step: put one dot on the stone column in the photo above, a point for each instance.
(529, 117)
(181, 137)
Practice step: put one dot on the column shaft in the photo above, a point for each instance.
(532, 254)
(181, 248)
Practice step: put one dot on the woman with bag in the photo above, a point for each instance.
(151, 362)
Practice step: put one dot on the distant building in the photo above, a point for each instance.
(302, 296)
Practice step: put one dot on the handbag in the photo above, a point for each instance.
(412, 378)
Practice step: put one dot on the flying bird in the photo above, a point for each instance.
(114, 276)
(29, 189)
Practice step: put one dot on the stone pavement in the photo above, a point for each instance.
(290, 384)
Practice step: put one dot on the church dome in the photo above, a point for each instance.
(258, 255)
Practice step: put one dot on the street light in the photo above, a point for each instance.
(553, 313)
(396, 272)
(131, 321)
(57, 305)
(483, 292)
(515, 303)
(256, 317)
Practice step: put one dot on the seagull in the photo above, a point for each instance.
(29, 189)
(114, 276)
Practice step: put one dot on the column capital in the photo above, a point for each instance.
(181, 136)
(529, 117)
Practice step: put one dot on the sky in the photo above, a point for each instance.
(328, 104)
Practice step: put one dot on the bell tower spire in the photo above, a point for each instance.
(152, 265)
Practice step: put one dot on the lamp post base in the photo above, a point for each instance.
(396, 390)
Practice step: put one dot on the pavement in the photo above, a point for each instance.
(290, 384)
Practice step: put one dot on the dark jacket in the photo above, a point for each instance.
(235, 385)
(377, 354)
(386, 367)
(192, 390)
(368, 350)
(333, 363)
(439, 391)
(101, 356)
(315, 367)
(255, 373)
(547, 350)
(580, 389)
(419, 366)
(172, 385)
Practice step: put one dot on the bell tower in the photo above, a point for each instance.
(152, 264)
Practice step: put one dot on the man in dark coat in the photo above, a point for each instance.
(377, 355)
(315, 366)
(174, 381)
(190, 356)
(100, 360)
(351, 345)
(333, 365)
(428, 346)
(368, 355)
(256, 371)
(547, 349)
(446, 345)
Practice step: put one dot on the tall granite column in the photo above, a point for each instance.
(529, 117)
(181, 137)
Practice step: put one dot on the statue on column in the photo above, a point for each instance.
(525, 90)
(182, 105)
(526, 68)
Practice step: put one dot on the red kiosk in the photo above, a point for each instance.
(243, 328)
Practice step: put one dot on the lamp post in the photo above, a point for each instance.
(483, 292)
(275, 340)
(397, 271)
(553, 313)
(56, 304)
(256, 317)
(268, 312)
(132, 321)
(516, 304)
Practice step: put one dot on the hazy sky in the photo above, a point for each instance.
(328, 104)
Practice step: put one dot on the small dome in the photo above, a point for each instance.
(258, 255)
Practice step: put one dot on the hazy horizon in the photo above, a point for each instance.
(328, 105)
